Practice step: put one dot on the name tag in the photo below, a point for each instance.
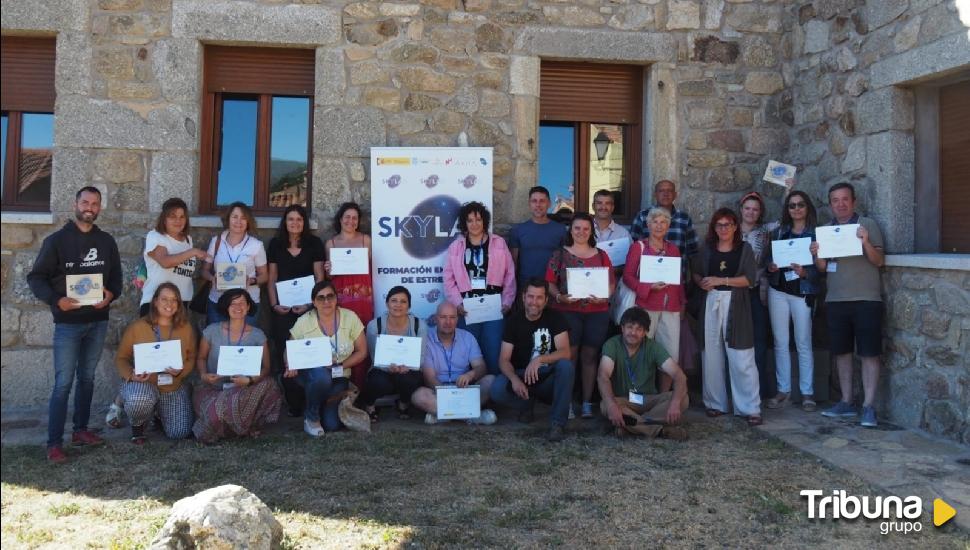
(478, 283)
(228, 385)
(636, 398)
(337, 372)
(165, 379)
(790, 275)
(832, 266)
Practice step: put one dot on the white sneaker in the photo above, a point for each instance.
(115, 417)
(430, 419)
(572, 413)
(313, 428)
(486, 418)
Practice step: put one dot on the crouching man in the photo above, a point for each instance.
(628, 385)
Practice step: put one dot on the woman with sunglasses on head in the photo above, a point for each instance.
(349, 348)
(388, 379)
(725, 269)
(292, 254)
(227, 406)
(236, 245)
(792, 297)
(143, 394)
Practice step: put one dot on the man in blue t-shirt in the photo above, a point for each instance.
(533, 241)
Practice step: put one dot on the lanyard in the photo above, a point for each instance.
(158, 332)
(241, 249)
(448, 356)
(334, 339)
(629, 369)
(229, 335)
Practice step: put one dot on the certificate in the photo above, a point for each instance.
(349, 261)
(239, 360)
(778, 172)
(456, 403)
(158, 356)
(660, 269)
(588, 282)
(295, 292)
(309, 353)
(791, 251)
(837, 241)
(230, 275)
(86, 289)
(398, 350)
(615, 249)
(482, 309)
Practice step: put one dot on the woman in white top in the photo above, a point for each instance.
(236, 245)
(169, 254)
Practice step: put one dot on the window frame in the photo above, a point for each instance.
(211, 120)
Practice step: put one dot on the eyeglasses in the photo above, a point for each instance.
(796, 205)
(325, 297)
(723, 225)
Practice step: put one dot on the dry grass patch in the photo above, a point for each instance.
(451, 486)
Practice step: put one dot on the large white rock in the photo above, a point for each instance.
(228, 516)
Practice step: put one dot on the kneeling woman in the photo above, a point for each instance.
(385, 380)
(236, 405)
(167, 319)
(349, 348)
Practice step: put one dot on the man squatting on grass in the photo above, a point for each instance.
(627, 382)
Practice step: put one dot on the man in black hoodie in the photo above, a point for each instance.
(78, 248)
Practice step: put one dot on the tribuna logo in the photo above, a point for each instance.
(905, 511)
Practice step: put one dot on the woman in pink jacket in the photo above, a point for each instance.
(478, 264)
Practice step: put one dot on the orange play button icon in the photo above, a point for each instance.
(942, 512)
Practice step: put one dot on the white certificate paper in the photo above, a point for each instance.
(778, 172)
(87, 289)
(615, 249)
(791, 251)
(230, 275)
(239, 360)
(588, 282)
(404, 351)
(456, 403)
(660, 269)
(482, 309)
(295, 292)
(349, 261)
(838, 241)
(158, 356)
(308, 353)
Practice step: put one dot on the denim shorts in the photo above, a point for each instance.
(858, 323)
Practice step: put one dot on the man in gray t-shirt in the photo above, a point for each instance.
(854, 305)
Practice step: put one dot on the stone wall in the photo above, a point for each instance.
(927, 368)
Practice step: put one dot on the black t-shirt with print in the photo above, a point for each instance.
(531, 338)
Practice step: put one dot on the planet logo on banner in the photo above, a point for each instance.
(428, 230)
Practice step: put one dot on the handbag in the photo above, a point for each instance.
(625, 297)
(200, 300)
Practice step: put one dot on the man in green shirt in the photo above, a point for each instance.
(628, 386)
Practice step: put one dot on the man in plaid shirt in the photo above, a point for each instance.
(681, 231)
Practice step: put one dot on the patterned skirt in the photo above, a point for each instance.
(236, 411)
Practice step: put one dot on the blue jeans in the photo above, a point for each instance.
(77, 350)
(319, 386)
(212, 315)
(489, 338)
(555, 386)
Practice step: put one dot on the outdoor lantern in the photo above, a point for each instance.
(602, 143)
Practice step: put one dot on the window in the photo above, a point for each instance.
(257, 114)
(590, 134)
(27, 122)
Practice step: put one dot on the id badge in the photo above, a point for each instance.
(337, 372)
(478, 283)
(832, 266)
(165, 379)
(228, 385)
(636, 398)
(791, 275)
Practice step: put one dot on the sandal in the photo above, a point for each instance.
(402, 411)
(777, 401)
(374, 415)
(755, 420)
(809, 405)
(714, 413)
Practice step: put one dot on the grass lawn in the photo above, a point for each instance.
(452, 486)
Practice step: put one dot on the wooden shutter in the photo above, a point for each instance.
(282, 71)
(27, 74)
(590, 92)
(955, 168)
